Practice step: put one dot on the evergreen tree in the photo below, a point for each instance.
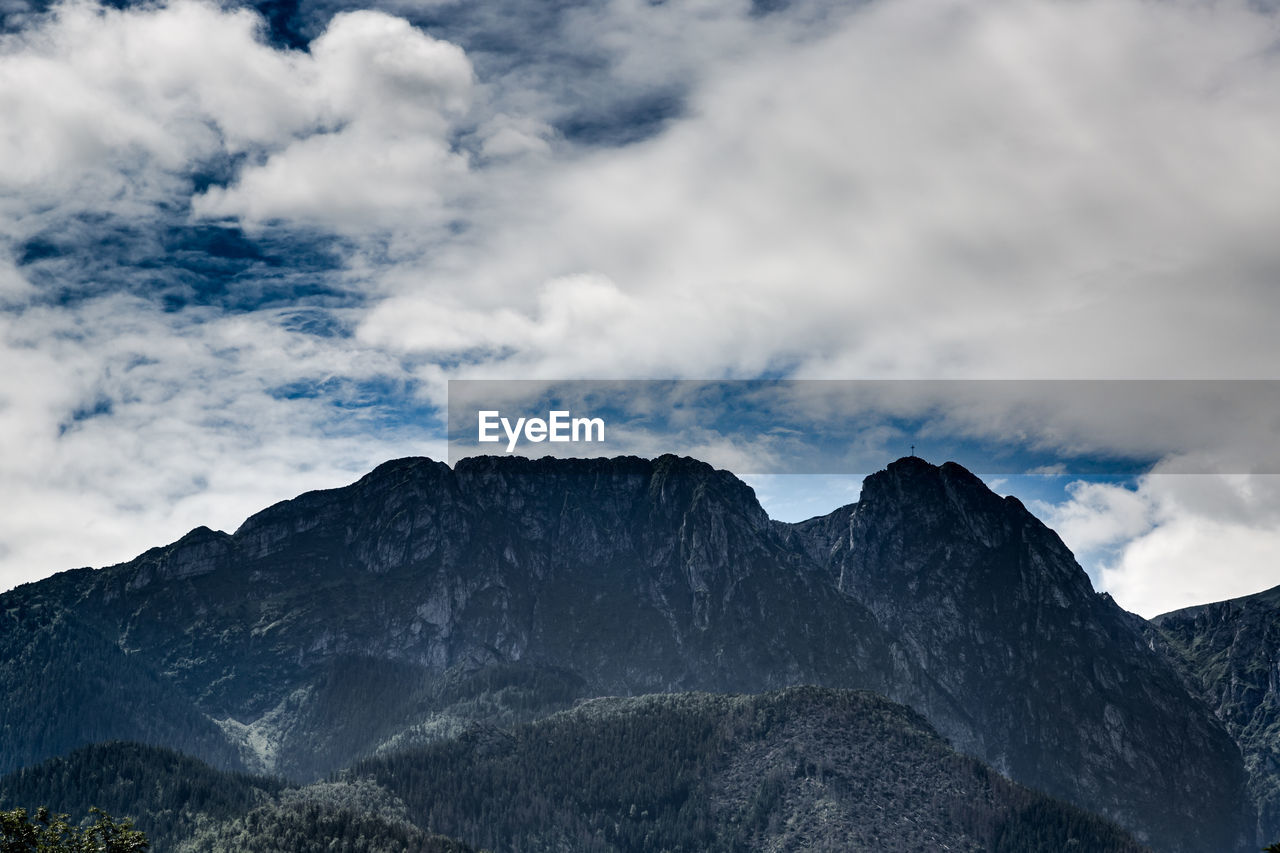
(44, 832)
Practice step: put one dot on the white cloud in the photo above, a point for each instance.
(136, 424)
(1193, 561)
(505, 136)
(389, 95)
(1176, 539)
(107, 109)
(14, 287)
(1099, 516)
(955, 188)
(100, 103)
(192, 429)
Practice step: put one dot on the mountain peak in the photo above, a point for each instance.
(993, 605)
(918, 467)
(909, 462)
(940, 498)
(406, 464)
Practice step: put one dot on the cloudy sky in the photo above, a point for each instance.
(242, 249)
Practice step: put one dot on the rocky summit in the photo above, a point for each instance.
(423, 600)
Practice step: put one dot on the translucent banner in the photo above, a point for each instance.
(992, 427)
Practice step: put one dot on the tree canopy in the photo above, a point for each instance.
(45, 832)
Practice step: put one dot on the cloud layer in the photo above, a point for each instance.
(231, 269)
(937, 189)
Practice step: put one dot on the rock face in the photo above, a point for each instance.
(1054, 682)
(1231, 651)
(620, 576)
(420, 598)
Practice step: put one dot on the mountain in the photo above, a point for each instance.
(1056, 685)
(1230, 650)
(422, 599)
(376, 603)
(804, 768)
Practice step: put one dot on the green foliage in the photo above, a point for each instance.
(805, 768)
(168, 795)
(324, 818)
(184, 805)
(44, 832)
